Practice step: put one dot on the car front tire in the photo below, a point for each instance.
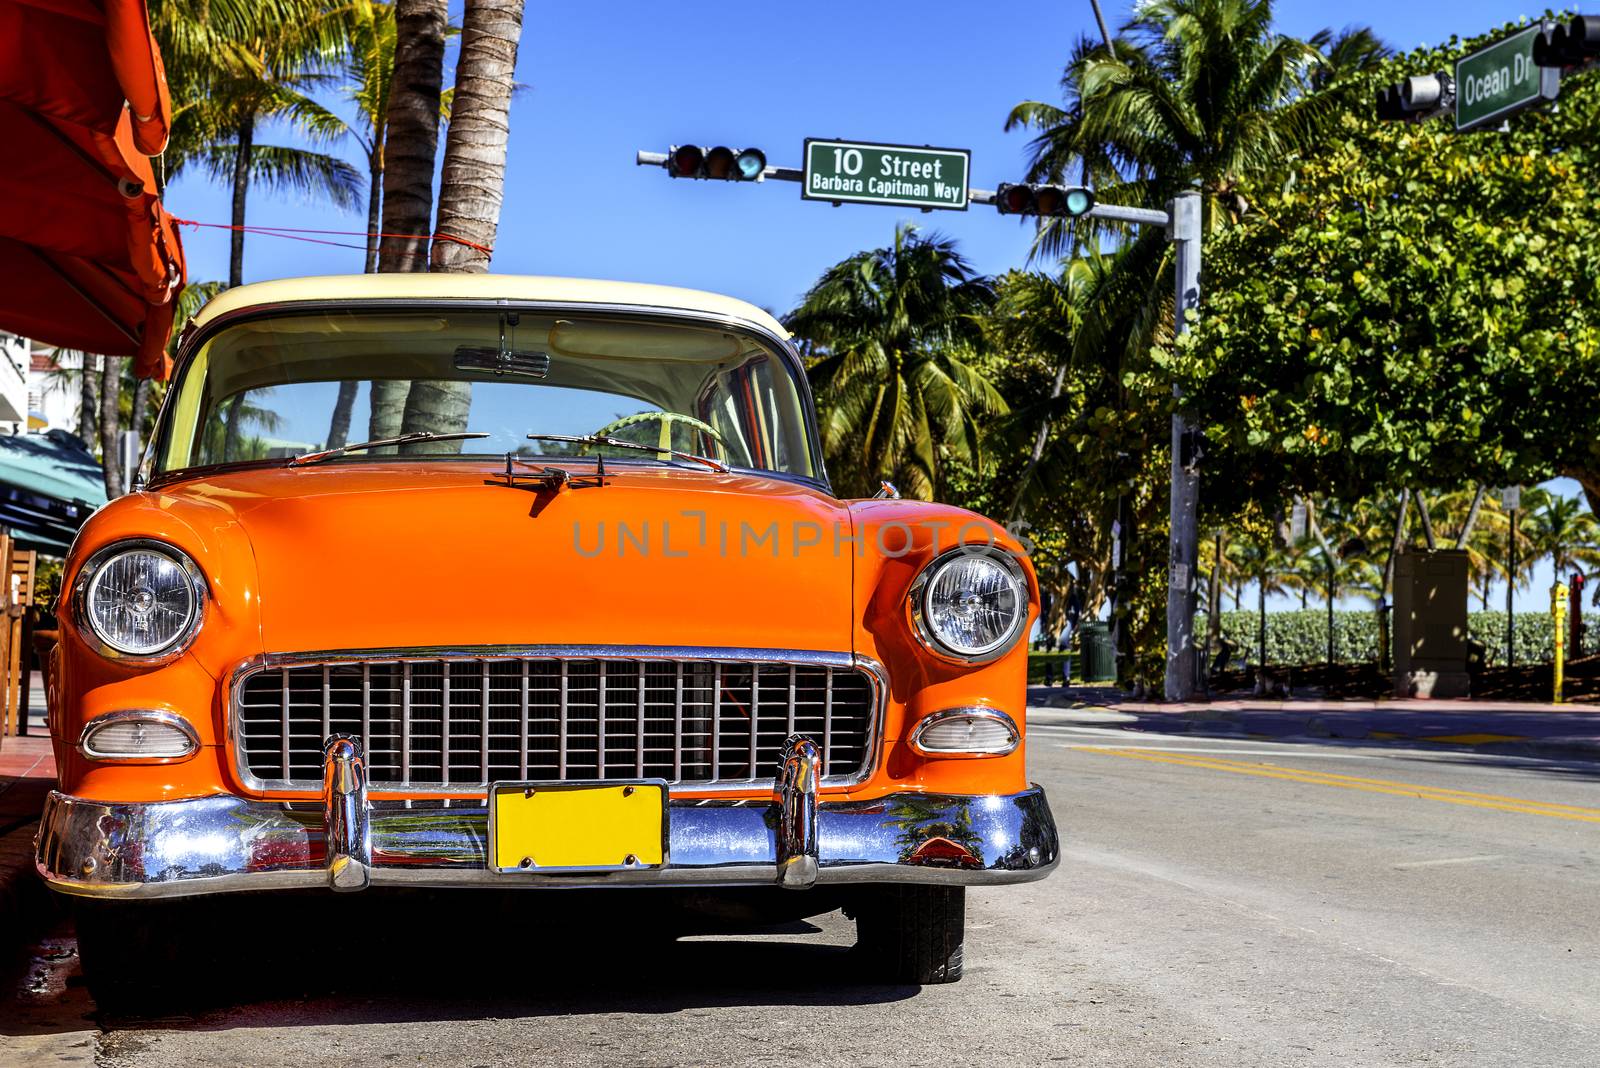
(141, 956)
(912, 934)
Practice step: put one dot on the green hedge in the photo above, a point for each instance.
(1298, 638)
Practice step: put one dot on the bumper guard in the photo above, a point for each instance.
(349, 842)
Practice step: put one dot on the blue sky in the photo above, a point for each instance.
(604, 80)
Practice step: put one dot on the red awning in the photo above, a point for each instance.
(89, 259)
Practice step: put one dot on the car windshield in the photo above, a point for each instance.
(286, 385)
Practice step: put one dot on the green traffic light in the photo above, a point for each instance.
(751, 163)
(1079, 201)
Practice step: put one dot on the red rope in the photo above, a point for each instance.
(293, 234)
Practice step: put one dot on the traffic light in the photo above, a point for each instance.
(1416, 99)
(1021, 198)
(1568, 44)
(720, 163)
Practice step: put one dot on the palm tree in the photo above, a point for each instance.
(471, 185)
(1563, 530)
(269, 70)
(1350, 51)
(1265, 565)
(369, 74)
(899, 329)
(411, 126)
(1199, 93)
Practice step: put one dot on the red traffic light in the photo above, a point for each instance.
(685, 161)
(1012, 199)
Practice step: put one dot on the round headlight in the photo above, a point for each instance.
(141, 599)
(971, 603)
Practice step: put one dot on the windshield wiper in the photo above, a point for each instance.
(403, 439)
(618, 443)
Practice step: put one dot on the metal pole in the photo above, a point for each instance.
(1184, 233)
(1328, 556)
(1511, 586)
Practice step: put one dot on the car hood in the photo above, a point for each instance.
(375, 555)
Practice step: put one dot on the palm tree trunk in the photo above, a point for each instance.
(1427, 523)
(1261, 623)
(344, 406)
(412, 126)
(141, 402)
(412, 130)
(1472, 517)
(88, 405)
(1039, 439)
(472, 183)
(233, 434)
(339, 424)
(110, 424)
(374, 205)
(241, 189)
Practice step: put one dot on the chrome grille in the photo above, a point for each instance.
(461, 722)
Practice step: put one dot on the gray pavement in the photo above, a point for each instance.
(1221, 902)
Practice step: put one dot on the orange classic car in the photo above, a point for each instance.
(485, 581)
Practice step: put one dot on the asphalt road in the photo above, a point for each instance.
(1220, 902)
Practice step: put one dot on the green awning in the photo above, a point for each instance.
(49, 484)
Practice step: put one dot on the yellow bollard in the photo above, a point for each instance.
(1558, 616)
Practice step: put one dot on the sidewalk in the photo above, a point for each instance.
(27, 774)
(1563, 732)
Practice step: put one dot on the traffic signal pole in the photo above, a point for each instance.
(1183, 231)
(1181, 221)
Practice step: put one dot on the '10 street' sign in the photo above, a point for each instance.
(1495, 81)
(886, 174)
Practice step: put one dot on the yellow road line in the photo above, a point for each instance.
(1389, 782)
(1351, 782)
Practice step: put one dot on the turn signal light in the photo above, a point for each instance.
(140, 736)
(966, 732)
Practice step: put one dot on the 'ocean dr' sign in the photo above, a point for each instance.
(866, 173)
(1498, 80)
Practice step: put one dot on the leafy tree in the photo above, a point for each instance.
(1199, 94)
(1416, 308)
(899, 331)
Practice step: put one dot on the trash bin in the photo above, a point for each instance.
(1477, 657)
(1099, 658)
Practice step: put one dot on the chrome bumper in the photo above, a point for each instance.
(348, 842)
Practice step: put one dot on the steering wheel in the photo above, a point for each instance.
(664, 437)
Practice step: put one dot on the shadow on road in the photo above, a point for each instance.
(315, 959)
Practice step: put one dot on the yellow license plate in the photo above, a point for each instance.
(578, 827)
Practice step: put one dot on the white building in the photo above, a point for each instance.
(53, 397)
(15, 360)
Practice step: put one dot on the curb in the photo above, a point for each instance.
(1481, 734)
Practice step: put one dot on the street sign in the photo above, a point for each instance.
(897, 175)
(1501, 79)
